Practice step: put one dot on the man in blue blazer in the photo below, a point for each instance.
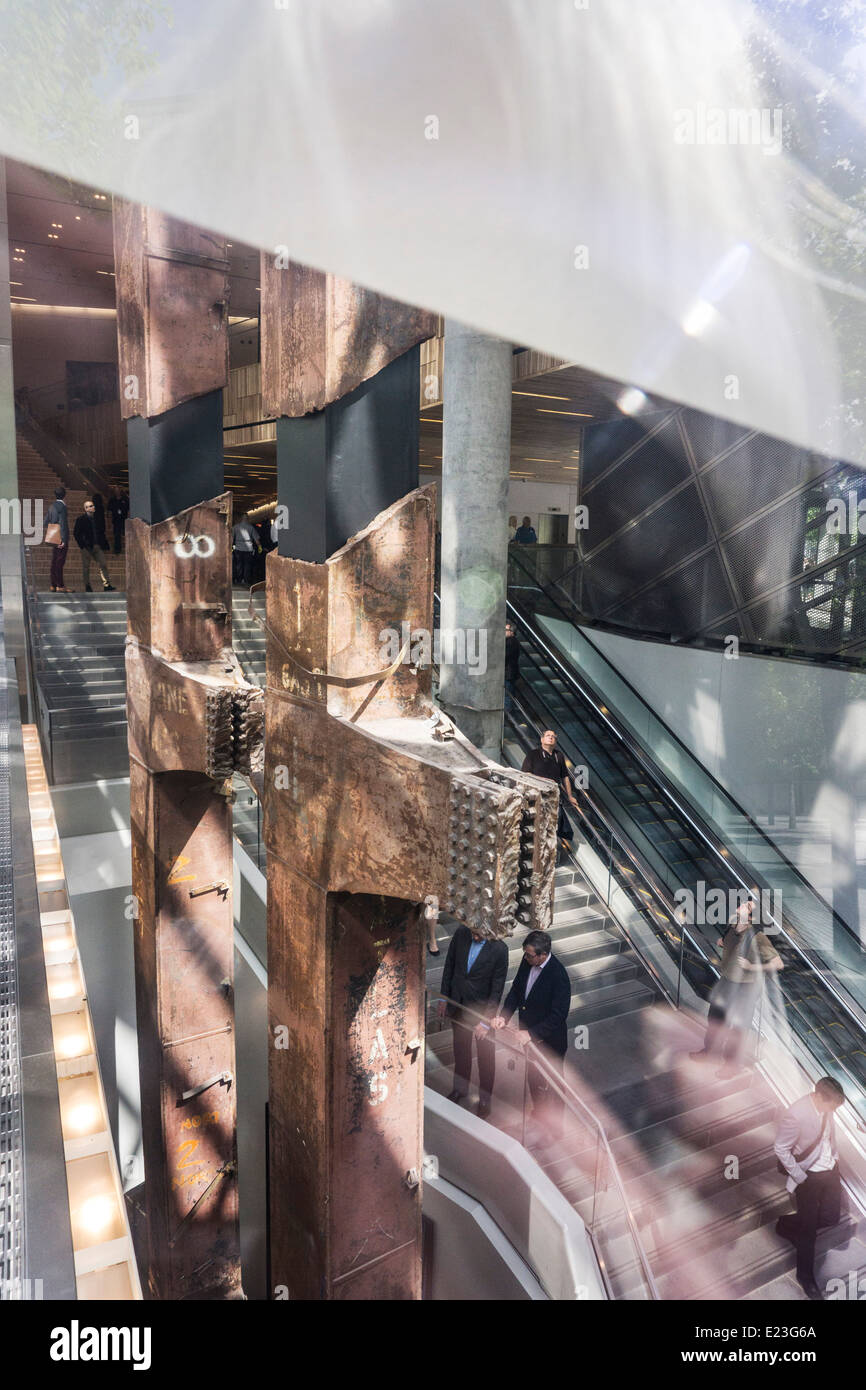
(474, 976)
(541, 998)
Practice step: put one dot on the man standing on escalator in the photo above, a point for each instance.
(547, 761)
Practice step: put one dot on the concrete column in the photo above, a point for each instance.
(476, 451)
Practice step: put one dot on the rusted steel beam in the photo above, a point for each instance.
(193, 721)
(372, 801)
(172, 309)
(322, 335)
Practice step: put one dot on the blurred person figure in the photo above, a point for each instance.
(99, 521)
(747, 955)
(245, 547)
(87, 539)
(512, 528)
(806, 1151)
(118, 510)
(474, 977)
(541, 997)
(525, 533)
(512, 664)
(58, 516)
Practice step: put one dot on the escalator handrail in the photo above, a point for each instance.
(789, 934)
(570, 1097)
(722, 791)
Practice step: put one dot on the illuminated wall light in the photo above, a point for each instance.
(97, 1213)
(83, 1117)
(18, 258)
(63, 989)
(584, 415)
(22, 299)
(78, 217)
(21, 249)
(529, 460)
(59, 943)
(106, 272)
(75, 1045)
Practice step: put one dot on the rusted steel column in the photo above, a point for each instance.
(372, 801)
(193, 720)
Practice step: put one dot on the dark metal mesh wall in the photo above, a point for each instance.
(700, 529)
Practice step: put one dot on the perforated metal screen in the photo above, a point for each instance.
(699, 529)
(11, 1139)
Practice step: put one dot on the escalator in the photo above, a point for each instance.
(656, 842)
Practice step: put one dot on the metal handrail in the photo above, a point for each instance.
(570, 1098)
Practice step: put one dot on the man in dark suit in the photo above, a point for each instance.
(474, 976)
(541, 997)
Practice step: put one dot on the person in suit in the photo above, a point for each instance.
(806, 1149)
(541, 997)
(474, 977)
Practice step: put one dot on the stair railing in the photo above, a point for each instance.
(579, 1118)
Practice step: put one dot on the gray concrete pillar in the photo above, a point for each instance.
(476, 453)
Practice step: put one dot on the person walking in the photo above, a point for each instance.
(245, 546)
(57, 534)
(87, 538)
(512, 665)
(541, 997)
(747, 954)
(118, 510)
(806, 1151)
(547, 761)
(525, 533)
(473, 981)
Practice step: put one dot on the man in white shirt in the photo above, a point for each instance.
(806, 1149)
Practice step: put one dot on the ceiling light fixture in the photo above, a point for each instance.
(543, 410)
(541, 396)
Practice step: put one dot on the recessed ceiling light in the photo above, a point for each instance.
(20, 248)
(540, 396)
